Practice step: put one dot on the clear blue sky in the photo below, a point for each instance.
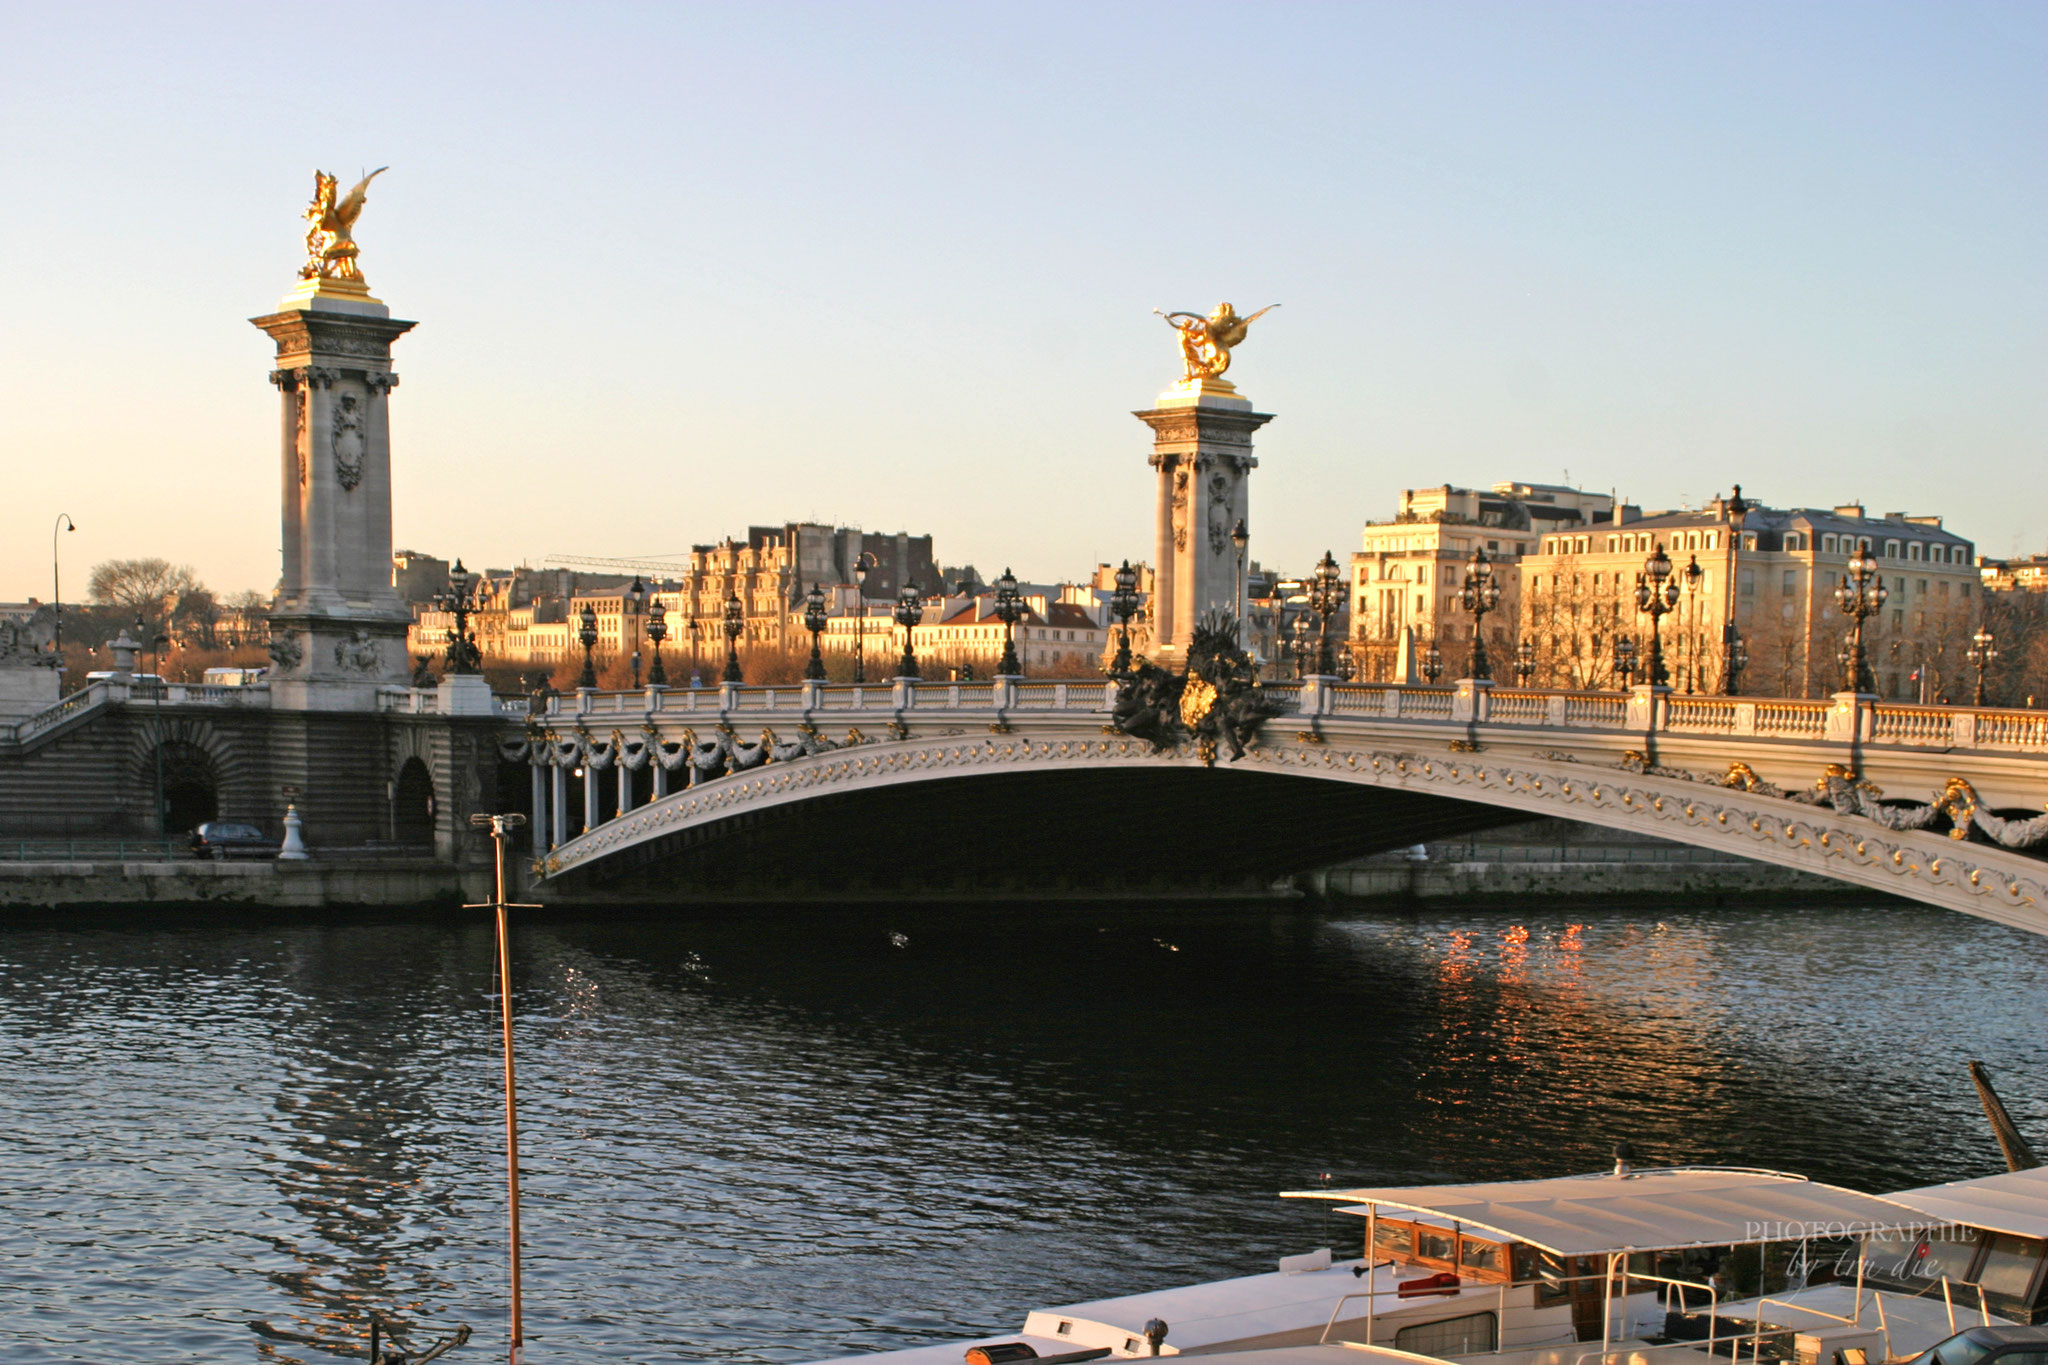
(680, 268)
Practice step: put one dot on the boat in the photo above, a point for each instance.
(1659, 1266)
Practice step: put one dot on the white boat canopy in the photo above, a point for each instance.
(1644, 1210)
(2013, 1201)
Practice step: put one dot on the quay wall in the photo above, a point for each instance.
(314, 885)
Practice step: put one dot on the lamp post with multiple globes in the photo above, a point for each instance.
(1980, 654)
(909, 611)
(1656, 594)
(460, 601)
(1432, 662)
(860, 611)
(814, 622)
(735, 626)
(1525, 662)
(1240, 538)
(1479, 595)
(586, 635)
(1009, 610)
(636, 597)
(657, 631)
(1123, 604)
(1325, 595)
(1860, 595)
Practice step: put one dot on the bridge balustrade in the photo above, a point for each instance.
(1712, 714)
(1791, 719)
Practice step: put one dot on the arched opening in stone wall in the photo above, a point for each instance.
(515, 793)
(412, 805)
(191, 787)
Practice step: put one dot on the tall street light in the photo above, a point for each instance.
(1693, 573)
(861, 566)
(1656, 594)
(1009, 610)
(657, 631)
(636, 597)
(1432, 662)
(1123, 604)
(814, 622)
(909, 611)
(1980, 654)
(1734, 653)
(63, 523)
(1860, 595)
(586, 635)
(735, 626)
(1479, 595)
(1326, 587)
(1240, 537)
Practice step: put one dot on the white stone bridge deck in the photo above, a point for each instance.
(665, 775)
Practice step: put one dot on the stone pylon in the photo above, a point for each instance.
(1202, 447)
(337, 626)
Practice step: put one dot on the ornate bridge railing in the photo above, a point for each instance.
(1641, 710)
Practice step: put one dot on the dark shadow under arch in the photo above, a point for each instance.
(412, 805)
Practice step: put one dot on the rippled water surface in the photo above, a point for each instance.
(778, 1137)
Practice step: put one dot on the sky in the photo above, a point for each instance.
(681, 269)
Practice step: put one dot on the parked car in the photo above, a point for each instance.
(222, 839)
(1989, 1346)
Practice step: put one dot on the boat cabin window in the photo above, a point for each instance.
(2010, 1264)
(2008, 1268)
(1448, 1248)
(1433, 1245)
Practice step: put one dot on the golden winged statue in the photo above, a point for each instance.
(1205, 342)
(330, 242)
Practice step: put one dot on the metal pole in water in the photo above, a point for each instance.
(501, 827)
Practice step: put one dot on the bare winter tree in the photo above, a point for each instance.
(150, 589)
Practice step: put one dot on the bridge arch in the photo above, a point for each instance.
(1417, 791)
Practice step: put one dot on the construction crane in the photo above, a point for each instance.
(657, 566)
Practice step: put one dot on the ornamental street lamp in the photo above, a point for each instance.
(636, 597)
(1734, 653)
(1625, 659)
(1980, 654)
(1432, 662)
(1860, 595)
(909, 611)
(860, 601)
(460, 600)
(1240, 537)
(814, 622)
(1525, 661)
(1123, 604)
(1656, 594)
(1299, 648)
(1479, 595)
(1009, 610)
(587, 636)
(63, 523)
(1325, 595)
(735, 626)
(657, 631)
(1693, 574)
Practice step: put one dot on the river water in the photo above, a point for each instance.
(773, 1137)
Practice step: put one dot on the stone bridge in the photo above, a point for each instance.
(1024, 788)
